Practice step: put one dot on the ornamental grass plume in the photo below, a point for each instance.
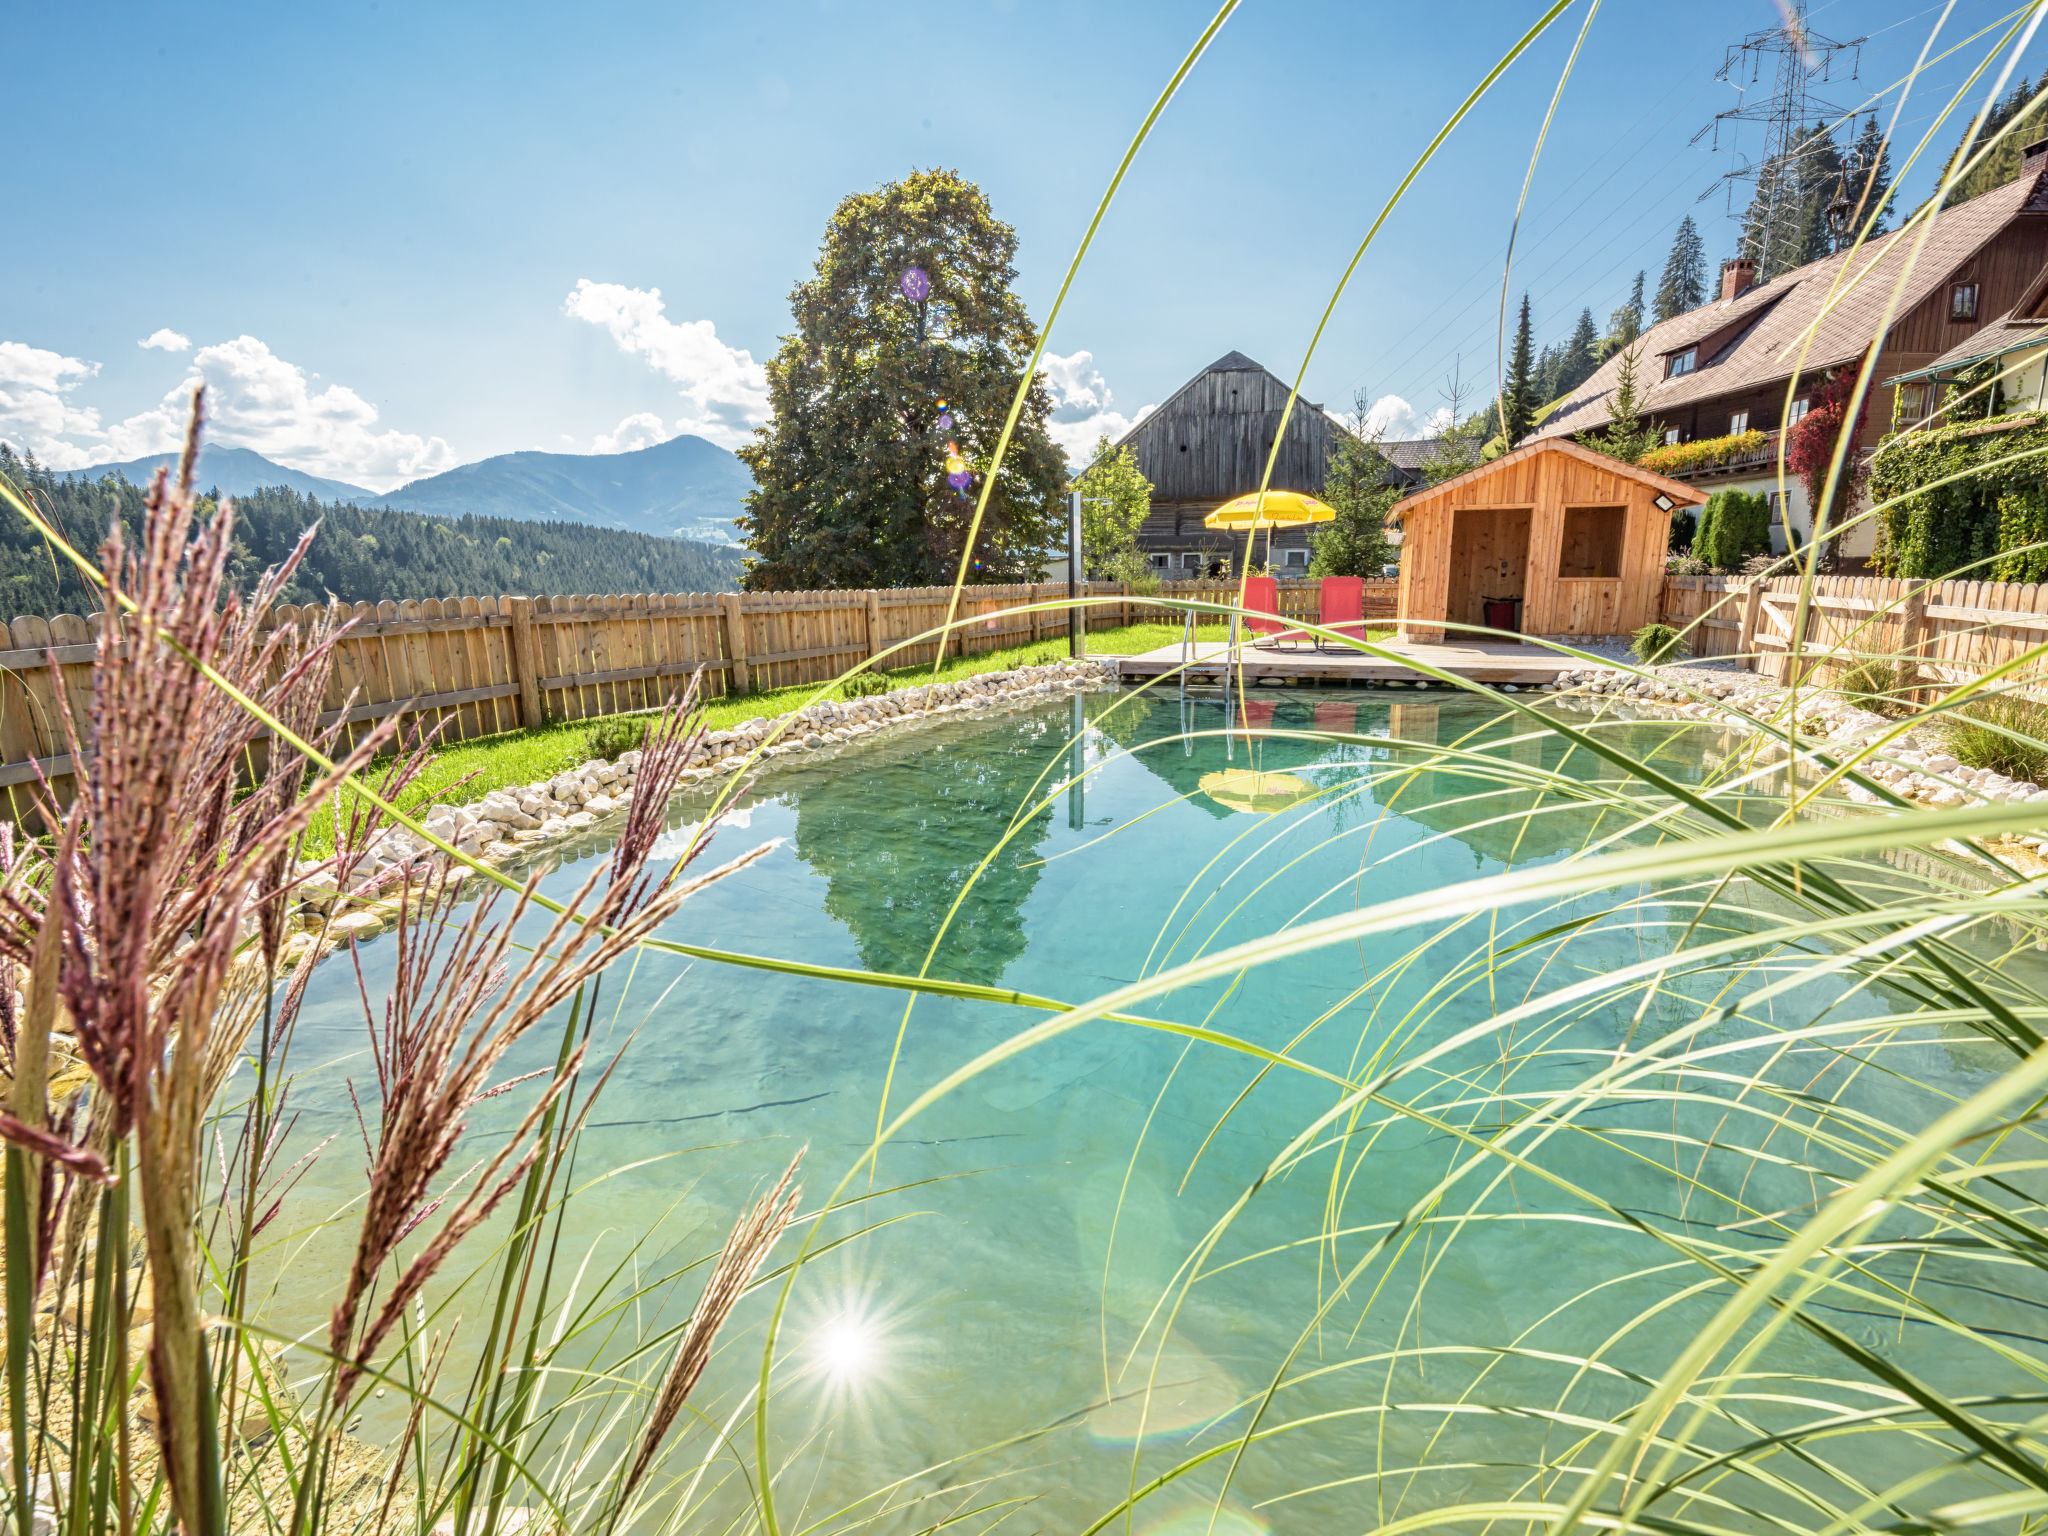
(157, 863)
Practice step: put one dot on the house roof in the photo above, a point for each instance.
(1677, 490)
(1811, 318)
(1411, 452)
(1230, 362)
(2008, 333)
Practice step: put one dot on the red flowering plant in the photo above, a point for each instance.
(1810, 450)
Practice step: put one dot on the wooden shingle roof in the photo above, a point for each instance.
(1809, 319)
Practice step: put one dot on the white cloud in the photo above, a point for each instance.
(642, 429)
(166, 340)
(1396, 420)
(36, 409)
(255, 399)
(1081, 405)
(724, 391)
(1440, 421)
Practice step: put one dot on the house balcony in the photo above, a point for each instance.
(1714, 460)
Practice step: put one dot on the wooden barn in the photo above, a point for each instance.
(1207, 444)
(1573, 542)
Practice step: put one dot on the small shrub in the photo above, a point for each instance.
(2007, 735)
(1687, 565)
(864, 685)
(608, 738)
(1655, 644)
(1870, 682)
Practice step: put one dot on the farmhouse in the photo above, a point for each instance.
(1208, 443)
(1552, 539)
(1726, 369)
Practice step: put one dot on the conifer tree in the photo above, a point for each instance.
(1518, 407)
(1626, 436)
(2002, 164)
(1626, 323)
(1684, 284)
(1872, 159)
(1578, 359)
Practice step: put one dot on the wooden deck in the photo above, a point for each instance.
(1484, 661)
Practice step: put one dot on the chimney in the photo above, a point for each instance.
(1739, 273)
(2034, 158)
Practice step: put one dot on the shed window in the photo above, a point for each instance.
(1962, 302)
(1592, 542)
(1738, 423)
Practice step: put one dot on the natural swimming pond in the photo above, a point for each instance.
(1083, 1268)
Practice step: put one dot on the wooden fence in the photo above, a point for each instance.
(1942, 633)
(478, 665)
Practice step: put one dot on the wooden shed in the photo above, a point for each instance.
(1576, 538)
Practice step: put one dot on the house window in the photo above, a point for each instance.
(1191, 561)
(1777, 509)
(1592, 542)
(1683, 362)
(1796, 413)
(1738, 423)
(1962, 302)
(1670, 435)
(1915, 400)
(1158, 562)
(1297, 559)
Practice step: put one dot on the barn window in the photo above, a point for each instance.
(1592, 542)
(1297, 559)
(1962, 302)
(1191, 561)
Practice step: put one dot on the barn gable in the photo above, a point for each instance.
(1208, 443)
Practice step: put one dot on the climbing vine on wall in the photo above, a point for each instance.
(1997, 507)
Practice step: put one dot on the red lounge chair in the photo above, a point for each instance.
(1341, 607)
(1262, 596)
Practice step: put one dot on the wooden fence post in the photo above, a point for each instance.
(736, 641)
(1037, 618)
(1912, 636)
(875, 640)
(525, 668)
(1124, 608)
(1752, 608)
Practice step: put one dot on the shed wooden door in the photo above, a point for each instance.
(1489, 559)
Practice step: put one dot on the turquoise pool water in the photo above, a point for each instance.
(996, 1337)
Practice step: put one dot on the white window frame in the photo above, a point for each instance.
(1920, 394)
(1797, 412)
(1158, 562)
(1191, 560)
(1295, 557)
(1671, 437)
(1738, 423)
(1777, 519)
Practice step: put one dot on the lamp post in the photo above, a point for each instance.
(1077, 622)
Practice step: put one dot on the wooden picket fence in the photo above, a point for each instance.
(1942, 633)
(478, 665)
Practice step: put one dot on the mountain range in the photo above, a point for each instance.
(686, 488)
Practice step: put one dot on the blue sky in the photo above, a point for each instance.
(397, 237)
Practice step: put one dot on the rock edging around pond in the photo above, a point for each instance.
(513, 824)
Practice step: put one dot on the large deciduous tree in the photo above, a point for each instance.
(851, 471)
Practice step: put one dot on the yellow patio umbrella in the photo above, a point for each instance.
(1267, 510)
(1273, 509)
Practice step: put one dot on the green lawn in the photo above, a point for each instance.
(528, 756)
